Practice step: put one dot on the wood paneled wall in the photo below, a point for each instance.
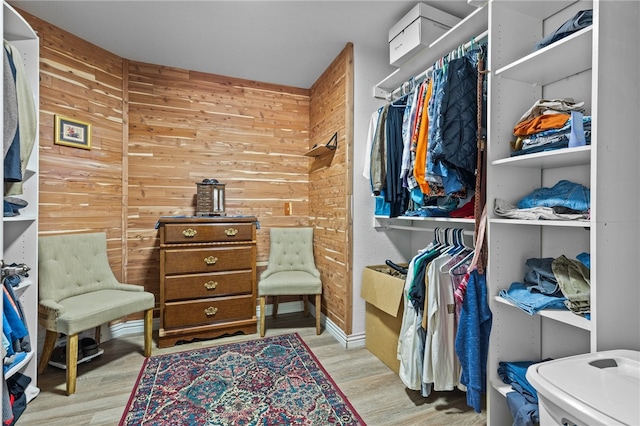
(185, 126)
(158, 130)
(81, 190)
(331, 111)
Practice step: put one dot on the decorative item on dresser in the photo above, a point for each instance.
(207, 277)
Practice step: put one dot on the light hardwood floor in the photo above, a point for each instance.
(105, 384)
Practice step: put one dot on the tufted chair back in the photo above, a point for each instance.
(291, 270)
(74, 264)
(291, 249)
(77, 291)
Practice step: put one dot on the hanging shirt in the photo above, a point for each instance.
(420, 164)
(373, 123)
(439, 365)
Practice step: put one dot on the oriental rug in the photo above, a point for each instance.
(270, 381)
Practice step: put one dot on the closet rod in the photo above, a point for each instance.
(400, 91)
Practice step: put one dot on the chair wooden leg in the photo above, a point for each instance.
(72, 363)
(49, 345)
(276, 299)
(305, 303)
(262, 308)
(148, 330)
(318, 312)
(98, 335)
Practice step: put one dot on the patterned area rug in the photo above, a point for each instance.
(270, 381)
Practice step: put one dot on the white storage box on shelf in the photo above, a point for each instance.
(596, 389)
(421, 26)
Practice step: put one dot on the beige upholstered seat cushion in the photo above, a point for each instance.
(291, 269)
(289, 283)
(77, 289)
(89, 310)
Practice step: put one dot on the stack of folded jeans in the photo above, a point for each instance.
(580, 20)
(553, 283)
(540, 289)
(523, 402)
(566, 200)
(531, 301)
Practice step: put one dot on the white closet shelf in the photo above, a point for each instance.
(14, 369)
(535, 69)
(473, 26)
(565, 157)
(15, 27)
(562, 223)
(539, 9)
(428, 219)
(501, 387)
(28, 173)
(565, 317)
(26, 282)
(20, 218)
(409, 223)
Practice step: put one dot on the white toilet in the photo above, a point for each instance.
(600, 388)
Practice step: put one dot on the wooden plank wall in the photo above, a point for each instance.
(80, 190)
(331, 111)
(185, 126)
(158, 130)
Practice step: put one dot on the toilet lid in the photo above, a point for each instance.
(607, 382)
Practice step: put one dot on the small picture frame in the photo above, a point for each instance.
(72, 132)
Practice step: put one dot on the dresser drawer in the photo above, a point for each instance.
(208, 311)
(212, 259)
(182, 233)
(200, 286)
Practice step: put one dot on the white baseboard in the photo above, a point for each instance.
(346, 341)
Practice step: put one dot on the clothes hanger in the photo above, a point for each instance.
(401, 102)
(466, 259)
(459, 248)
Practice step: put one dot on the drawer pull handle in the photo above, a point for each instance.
(189, 233)
(231, 232)
(211, 260)
(210, 311)
(210, 285)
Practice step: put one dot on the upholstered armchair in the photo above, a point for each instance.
(78, 292)
(291, 270)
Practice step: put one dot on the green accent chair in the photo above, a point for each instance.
(291, 270)
(78, 292)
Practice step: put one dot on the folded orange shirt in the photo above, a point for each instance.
(540, 123)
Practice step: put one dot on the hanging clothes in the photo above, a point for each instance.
(426, 343)
(422, 142)
(395, 194)
(454, 143)
(378, 153)
(10, 104)
(373, 124)
(435, 163)
(474, 328)
(27, 117)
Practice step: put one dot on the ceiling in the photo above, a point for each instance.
(283, 42)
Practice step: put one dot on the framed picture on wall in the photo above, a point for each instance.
(71, 132)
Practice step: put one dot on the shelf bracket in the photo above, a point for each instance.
(323, 154)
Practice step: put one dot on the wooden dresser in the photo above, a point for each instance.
(207, 277)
